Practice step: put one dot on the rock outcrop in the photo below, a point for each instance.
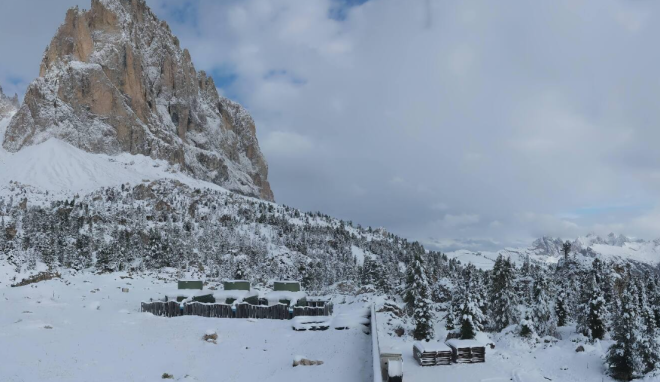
(8, 105)
(114, 79)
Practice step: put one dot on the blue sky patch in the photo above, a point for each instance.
(340, 8)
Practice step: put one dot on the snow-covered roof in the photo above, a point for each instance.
(188, 294)
(431, 346)
(275, 297)
(456, 343)
(238, 295)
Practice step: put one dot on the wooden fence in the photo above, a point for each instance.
(275, 312)
(165, 309)
(312, 311)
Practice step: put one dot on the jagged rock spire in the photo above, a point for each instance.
(115, 79)
(7, 105)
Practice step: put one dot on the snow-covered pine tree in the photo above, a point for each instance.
(560, 308)
(527, 325)
(480, 288)
(412, 277)
(502, 294)
(418, 294)
(471, 314)
(543, 313)
(596, 316)
(450, 318)
(649, 346)
(591, 308)
(653, 293)
(623, 357)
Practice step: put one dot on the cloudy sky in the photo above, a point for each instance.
(473, 124)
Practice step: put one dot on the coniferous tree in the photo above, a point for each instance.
(649, 346)
(412, 277)
(419, 295)
(502, 296)
(543, 315)
(471, 314)
(450, 318)
(560, 309)
(623, 357)
(566, 248)
(596, 313)
(527, 326)
(654, 298)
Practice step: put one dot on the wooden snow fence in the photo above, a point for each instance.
(173, 309)
(274, 312)
(312, 311)
(467, 351)
(432, 353)
(208, 310)
(159, 308)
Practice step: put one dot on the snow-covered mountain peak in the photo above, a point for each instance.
(549, 250)
(114, 79)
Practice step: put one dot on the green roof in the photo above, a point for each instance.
(237, 285)
(290, 286)
(189, 284)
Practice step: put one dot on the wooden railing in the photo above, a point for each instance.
(375, 346)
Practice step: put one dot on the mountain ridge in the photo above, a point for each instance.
(549, 250)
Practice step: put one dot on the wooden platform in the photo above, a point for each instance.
(432, 353)
(467, 351)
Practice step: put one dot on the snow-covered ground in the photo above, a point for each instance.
(513, 359)
(84, 328)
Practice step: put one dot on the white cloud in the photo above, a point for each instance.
(289, 144)
(439, 206)
(452, 221)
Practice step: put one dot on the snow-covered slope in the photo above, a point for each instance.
(4, 122)
(57, 167)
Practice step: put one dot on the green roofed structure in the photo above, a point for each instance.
(194, 296)
(289, 286)
(236, 285)
(237, 291)
(191, 284)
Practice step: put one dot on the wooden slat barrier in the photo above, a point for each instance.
(275, 312)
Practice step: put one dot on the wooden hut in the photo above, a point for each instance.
(467, 351)
(432, 353)
(188, 289)
(317, 302)
(237, 291)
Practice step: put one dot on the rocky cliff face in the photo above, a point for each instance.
(8, 105)
(114, 79)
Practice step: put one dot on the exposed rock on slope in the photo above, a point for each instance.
(114, 79)
(7, 105)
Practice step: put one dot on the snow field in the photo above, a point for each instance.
(97, 334)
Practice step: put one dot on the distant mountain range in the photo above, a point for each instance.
(549, 250)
